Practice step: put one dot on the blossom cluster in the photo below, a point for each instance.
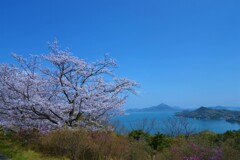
(204, 153)
(60, 90)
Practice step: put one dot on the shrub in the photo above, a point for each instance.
(159, 141)
(196, 152)
(74, 144)
(139, 135)
(87, 145)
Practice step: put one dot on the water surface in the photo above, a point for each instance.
(135, 120)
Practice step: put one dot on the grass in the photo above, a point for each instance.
(14, 150)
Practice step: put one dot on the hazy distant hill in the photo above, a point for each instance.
(158, 108)
(226, 107)
(210, 113)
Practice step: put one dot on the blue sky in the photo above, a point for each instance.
(183, 52)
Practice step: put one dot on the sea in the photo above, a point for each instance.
(154, 122)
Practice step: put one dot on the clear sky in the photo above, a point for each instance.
(183, 52)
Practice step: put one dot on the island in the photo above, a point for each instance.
(210, 113)
(159, 108)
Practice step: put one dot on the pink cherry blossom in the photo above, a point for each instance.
(60, 90)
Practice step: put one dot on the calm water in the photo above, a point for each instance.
(134, 120)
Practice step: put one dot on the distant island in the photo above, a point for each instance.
(226, 108)
(211, 113)
(158, 108)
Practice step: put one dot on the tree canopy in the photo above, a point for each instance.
(60, 90)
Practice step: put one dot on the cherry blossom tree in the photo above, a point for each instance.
(60, 90)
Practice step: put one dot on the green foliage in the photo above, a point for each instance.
(159, 141)
(233, 136)
(139, 135)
